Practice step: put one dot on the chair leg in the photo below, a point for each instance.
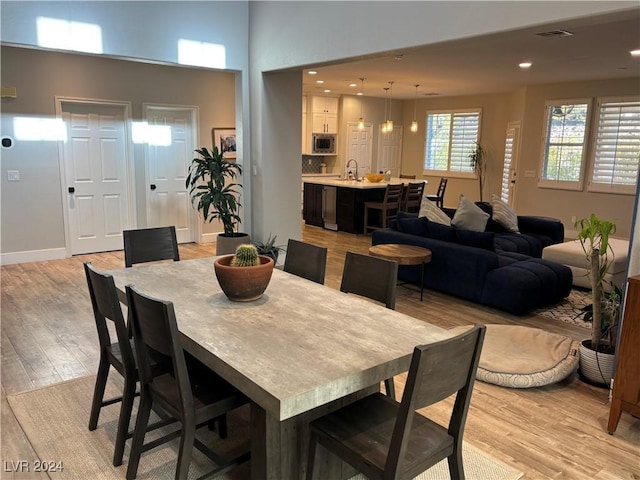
(366, 219)
(98, 391)
(313, 443)
(138, 435)
(123, 422)
(456, 470)
(390, 388)
(222, 426)
(186, 449)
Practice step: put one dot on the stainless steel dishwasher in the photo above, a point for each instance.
(329, 198)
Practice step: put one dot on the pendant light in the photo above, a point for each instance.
(386, 97)
(414, 124)
(361, 121)
(389, 121)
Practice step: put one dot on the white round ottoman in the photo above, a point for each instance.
(523, 357)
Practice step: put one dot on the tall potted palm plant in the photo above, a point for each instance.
(214, 192)
(597, 353)
(478, 161)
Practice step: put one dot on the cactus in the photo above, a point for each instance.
(246, 256)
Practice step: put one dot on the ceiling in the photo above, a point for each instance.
(598, 49)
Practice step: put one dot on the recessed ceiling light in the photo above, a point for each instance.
(353, 85)
(312, 72)
(319, 81)
(360, 93)
(635, 53)
(525, 65)
(399, 56)
(326, 90)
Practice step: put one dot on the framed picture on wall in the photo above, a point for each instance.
(225, 140)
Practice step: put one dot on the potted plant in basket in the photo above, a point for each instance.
(269, 248)
(597, 353)
(244, 276)
(215, 197)
(477, 159)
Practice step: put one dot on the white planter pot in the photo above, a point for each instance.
(228, 245)
(597, 367)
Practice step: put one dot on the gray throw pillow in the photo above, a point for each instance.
(469, 216)
(429, 209)
(504, 214)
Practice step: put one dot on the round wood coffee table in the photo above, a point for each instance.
(404, 255)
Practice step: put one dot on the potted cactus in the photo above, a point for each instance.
(244, 276)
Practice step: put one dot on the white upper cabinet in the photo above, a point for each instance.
(324, 111)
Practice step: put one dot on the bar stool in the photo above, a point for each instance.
(388, 208)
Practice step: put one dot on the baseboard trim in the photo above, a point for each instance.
(33, 256)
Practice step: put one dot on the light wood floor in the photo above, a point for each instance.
(555, 432)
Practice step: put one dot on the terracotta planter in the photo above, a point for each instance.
(595, 367)
(226, 245)
(243, 284)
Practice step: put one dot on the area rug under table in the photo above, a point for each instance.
(55, 418)
(524, 357)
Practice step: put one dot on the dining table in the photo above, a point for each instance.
(300, 351)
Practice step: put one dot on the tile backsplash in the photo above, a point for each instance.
(311, 163)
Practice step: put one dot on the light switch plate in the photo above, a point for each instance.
(13, 175)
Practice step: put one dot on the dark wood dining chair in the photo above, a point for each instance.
(185, 389)
(150, 244)
(374, 278)
(438, 197)
(385, 439)
(119, 354)
(387, 209)
(306, 260)
(412, 197)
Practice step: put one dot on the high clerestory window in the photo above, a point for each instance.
(451, 137)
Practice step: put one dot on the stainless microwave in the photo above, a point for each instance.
(324, 143)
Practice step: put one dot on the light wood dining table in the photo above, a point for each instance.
(300, 351)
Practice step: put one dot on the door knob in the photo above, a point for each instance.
(72, 190)
(153, 187)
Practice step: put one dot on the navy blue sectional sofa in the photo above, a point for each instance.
(495, 267)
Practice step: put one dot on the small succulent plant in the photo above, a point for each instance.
(246, 256)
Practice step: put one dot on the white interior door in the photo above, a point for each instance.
(509, 169)
(95, 162)
(170, 149)
(359, 146)
(390, 151)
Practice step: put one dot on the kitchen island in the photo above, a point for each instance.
(347, 214)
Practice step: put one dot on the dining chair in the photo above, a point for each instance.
(412, 197)
(374, 278)
(386, 439)
(185, 389)
(388, 208)
(438, 197)
(306, 260)
(150, 244)
(412, 177)
(119, 354)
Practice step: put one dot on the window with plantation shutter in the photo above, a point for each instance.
(616, 146)
(451, 137)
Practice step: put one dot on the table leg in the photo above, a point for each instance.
(421, 280)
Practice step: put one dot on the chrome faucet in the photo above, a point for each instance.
(349, 163)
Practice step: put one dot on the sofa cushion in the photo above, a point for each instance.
(471, 238)
(430, 210)
(410, 223)
(504, 214)
(469, 216)
(445, 233)
(520, 243)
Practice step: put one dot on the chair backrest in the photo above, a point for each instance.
(413, 197)
(393, 194)
(442, 186)
(413, 177)
(106, 307)
(150, 244)
(157, 340)
(437, 371)
(371, 277)
(306, 260)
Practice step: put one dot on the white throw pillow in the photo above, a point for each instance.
(504, 214)
(433, 213)
(469, 216)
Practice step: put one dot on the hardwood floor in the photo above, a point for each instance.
(554, 432)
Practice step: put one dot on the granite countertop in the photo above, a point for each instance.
(363, 184)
